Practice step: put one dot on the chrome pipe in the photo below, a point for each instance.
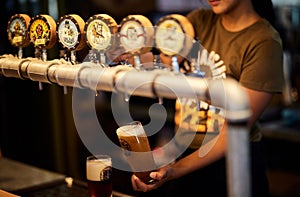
(156, 83)
(225, 93)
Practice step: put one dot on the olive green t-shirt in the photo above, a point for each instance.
(252, 56)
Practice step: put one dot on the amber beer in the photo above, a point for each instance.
(98, 172)
(134, 140)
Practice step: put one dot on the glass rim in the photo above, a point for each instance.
(98, 157)
(133, 123)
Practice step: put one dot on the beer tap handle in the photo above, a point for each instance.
(160, 100)
(65, 90)
(72, 60)
(44, 55)
(137, 62)
(156, 58)
(175, 64)
(92, 56)
(156, 62)
(40, 86)
(73, 57)
(20, 53)
(44, 59)
(126, 95)
(37, 53)
(198, 105)
(103, 59)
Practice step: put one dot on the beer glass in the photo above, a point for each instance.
(137, 151)
(98, 173)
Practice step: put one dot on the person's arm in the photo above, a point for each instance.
(258, 102)
(217, 148)
(186, 165)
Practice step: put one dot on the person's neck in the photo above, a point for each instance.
(239, 19)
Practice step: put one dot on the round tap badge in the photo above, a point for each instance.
(136, 34)
(174, 35)
(70, 29)
(17, 30)
(100, 31)
(42, 31)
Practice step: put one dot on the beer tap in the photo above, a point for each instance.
(137, 61)
(136, 37)
(175, 64)
(42, 33)
(100, 33)
(173, 37)
(70, 31)
(157, 65)
(195, 66)
(17, 30)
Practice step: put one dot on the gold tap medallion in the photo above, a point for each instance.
(17, 30)
(70, 31)
(174, 35)
(136, 34)
(42, 31)
(100, 32)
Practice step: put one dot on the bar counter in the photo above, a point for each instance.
(29, 181)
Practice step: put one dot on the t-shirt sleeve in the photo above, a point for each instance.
(263, 70)
(200, 18)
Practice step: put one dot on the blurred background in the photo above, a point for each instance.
(37, 127)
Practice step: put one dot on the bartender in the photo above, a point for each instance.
(239, 33)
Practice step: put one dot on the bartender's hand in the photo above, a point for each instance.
(161, 176)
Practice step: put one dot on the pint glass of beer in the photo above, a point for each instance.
(98, 173)
(137, 151)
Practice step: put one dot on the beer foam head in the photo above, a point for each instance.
(94, 168)
(131, 129)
